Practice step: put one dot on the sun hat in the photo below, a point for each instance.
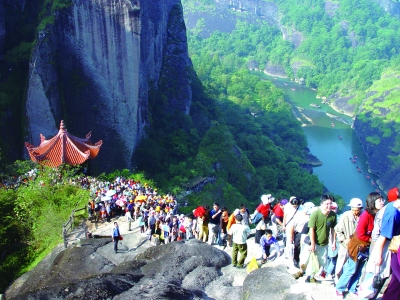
(356, 202)
(266, 199)
(307, 207)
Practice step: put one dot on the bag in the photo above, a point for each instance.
(253, 265)
(312, 265)
(394, 244)
(257, 218)
(121, 238)
(366, 290)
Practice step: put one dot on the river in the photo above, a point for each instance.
(332, 140)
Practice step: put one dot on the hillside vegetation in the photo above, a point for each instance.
(347, 48)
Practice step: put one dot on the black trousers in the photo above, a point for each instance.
(116, 240)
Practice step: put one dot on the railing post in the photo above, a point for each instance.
(64, 237)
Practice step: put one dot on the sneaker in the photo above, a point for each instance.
(297, 275)
(319, 277)
(234, 266)
(263, 261)
(329, 277)
(339, 294)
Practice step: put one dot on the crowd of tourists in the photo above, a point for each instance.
(358, 249)
(353, 249)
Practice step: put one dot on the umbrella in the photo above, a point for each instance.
(127, 193)
(141, 198)
(120, 202)
(106, 198)
(111, 192)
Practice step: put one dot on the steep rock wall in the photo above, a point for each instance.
(94, 66)
(378, 155)
(390, 6)
(2, 28)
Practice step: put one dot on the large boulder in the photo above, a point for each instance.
(271, 283)
(179, 270)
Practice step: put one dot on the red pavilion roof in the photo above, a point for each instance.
(64, 148)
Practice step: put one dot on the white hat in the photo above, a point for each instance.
(265, 199)
(308, 207)
(356, 202)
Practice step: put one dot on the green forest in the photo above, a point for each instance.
(349, 48)
(240, 130)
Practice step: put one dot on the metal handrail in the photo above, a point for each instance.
(69, 225)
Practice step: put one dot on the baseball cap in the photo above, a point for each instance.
(356, 202)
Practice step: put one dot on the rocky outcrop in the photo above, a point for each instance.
(220, 19)
(292, 35)
(94, 66)
(390, 6)
(378, 149)
(2, 29)
(275, 70)
(179, 270)
(331, 8)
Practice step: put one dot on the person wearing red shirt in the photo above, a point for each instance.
(278, 212)
(263, 210)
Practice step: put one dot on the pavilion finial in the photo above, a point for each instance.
(62, 125)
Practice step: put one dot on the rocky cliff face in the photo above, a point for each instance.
(94, 66)
(390, 6)
(379, 161)
(2, 28)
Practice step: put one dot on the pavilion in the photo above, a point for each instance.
(63, 148)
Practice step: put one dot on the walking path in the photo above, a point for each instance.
(134, 246)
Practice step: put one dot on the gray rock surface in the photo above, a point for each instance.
(179, 270)
(270, 283)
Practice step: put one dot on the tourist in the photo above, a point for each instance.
(358, 245)
(265, 243)
(291, 210)
(115, 235)
(151, 224)
(263, 210)
(173, 229)
(141, 223)
(277, 216)
(244, 212)
(384, 269)
(300, 221)
(390, 228)
(321, 225)
(345, 228)
(239, 234)
(231, 221)
(223, 227)
(203, 225)
(332, 251)
(213, 224)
